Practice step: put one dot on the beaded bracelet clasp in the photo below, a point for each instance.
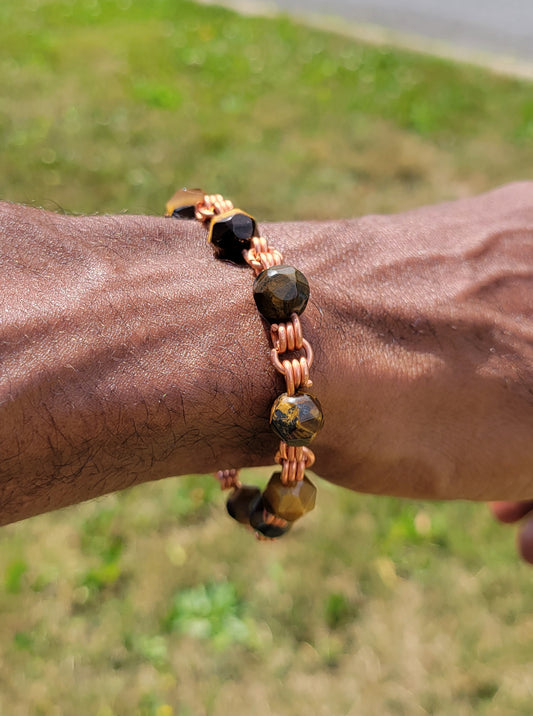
(281, 293)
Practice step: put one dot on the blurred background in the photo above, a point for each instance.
(489, 32)
(152, 601)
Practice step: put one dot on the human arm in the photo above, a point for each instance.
(130, 354)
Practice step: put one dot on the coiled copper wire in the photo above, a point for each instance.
(228, 478)
(259, 245)
(293, 461)
(212, 204)
(260, 256)
(287, 336)
(295, 371)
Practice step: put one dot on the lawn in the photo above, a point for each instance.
(151, 601)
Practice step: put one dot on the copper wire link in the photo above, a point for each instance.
(287, 336)
(293, 461)
(259, 245)
(212, 204)
(260, 256)
(228, 479)
(293, 452)
(295, 371)
(260, 262)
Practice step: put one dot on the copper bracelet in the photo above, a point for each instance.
(281, 293)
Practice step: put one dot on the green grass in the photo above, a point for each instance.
(107, 105)
(151, 601)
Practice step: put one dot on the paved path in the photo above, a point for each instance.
(500, 27)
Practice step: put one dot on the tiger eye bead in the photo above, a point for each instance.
(280, 291)
(296, 419)
(257, 521)
(230, 233)
(291, 501)
(239, 503)
(182, 205)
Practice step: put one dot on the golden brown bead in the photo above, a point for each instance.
(296, 419)
(290, 501)
(182, 205)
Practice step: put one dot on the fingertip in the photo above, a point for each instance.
(525, 541)
(509, 512)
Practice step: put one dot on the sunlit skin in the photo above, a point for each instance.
(130, 354)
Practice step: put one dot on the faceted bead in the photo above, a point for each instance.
(183, 204)
(296, 419)
(292, 501)
(257, 520)
(280, 291)
(239, 503)
(230, 233)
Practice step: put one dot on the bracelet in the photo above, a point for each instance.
(281, 293)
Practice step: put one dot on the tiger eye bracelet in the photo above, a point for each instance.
(281, 293)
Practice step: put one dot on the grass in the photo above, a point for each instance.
(150, 601)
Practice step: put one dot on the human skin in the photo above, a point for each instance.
(128, 353)
(510, 512)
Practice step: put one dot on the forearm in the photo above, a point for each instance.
(130, 354)
(435, 350)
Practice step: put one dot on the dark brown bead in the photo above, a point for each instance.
(296, 419)
(257, 521)
(280, 291)
(231, 233)
(239, 503)
(183, 204)
(185, 212)
(292, 501)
